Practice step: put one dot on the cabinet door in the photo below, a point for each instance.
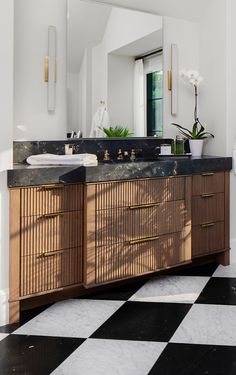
(50, 271)
(145, 231)
(51, 238)
(210, 213)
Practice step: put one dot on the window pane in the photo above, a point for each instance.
(154, 104)
(154, 85)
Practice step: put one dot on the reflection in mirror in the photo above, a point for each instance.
(115, 72)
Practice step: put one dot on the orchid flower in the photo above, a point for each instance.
(191, 76)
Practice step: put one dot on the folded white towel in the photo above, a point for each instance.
(51, 159)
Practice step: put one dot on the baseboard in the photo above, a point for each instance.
(233, 251)
(4, 307)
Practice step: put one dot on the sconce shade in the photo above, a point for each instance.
(51, 68)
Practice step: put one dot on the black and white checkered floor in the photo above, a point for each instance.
(180, 324)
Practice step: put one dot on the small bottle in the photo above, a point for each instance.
(179, 145)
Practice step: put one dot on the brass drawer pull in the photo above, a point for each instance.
(142, 240)
(210, 195)
(51, 216)
(208, 225)
(51, 187)
(207, 174)
(51, 253)
(148, 205)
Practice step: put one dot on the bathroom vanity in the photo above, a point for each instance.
(116, 222)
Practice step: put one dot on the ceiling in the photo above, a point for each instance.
(139, 47)
(186, 9)
(86, 25)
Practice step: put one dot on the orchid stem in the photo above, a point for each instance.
(196, 104)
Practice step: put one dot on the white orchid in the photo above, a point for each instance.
(191, 76)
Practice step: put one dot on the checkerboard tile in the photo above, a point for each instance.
(181, 323)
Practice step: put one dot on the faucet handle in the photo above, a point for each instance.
(106, 156)
(132, 156)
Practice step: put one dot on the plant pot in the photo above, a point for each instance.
(196, 146)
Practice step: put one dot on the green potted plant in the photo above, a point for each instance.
(117, 131)
(197, 134)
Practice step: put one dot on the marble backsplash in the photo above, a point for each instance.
(145, 147)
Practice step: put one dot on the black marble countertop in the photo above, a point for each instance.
(25, 175)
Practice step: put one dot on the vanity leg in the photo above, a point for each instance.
(14, 312)
(224, 258)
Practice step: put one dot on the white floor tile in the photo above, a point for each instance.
(71, 318)
(106, 357)
(173, 289)
(208, 324)
(3, 335)
(228, 271)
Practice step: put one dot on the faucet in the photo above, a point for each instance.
(120, 155)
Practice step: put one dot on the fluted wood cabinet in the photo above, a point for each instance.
(79, 236)
(136, 227)
(210, 214)
(46, 238)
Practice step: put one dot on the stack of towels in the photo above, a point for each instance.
(85, 160)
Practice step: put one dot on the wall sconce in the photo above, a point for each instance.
(173, 79)
(50, 68)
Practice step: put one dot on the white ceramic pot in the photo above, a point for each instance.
(196, 146)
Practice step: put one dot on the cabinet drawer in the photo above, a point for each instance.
(42, 274)
(50, 232)
(123, 261)
(51, 198)
(207, 239)
(125, 224)
(207, 208)
(208, 183)
(124, 194)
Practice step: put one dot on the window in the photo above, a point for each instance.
(154, 95)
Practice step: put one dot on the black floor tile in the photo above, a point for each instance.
(143, 321)
(189, 359)
(9, 328)
(25, 316)
(204, 270)
(219, 291)
(118, 293)
(34, 355)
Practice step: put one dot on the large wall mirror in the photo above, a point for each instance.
(114, 70)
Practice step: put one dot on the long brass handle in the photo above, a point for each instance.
(207, 174)
(210, 195)
(51, 215)
(51, 187)
(207, 225)
(170, 80)
(148, 205)
(51, 253)
(46, 69)
(142, 240)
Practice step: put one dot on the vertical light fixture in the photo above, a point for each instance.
(50, 68)
(173, 79)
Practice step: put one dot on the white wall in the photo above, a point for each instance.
(186, 35)
(72, 101)
(32, 121)
(230, 127)
(6, 121)
(213, 91)
(121, 90)
(123, 27)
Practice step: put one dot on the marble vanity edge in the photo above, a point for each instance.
(23, 176)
